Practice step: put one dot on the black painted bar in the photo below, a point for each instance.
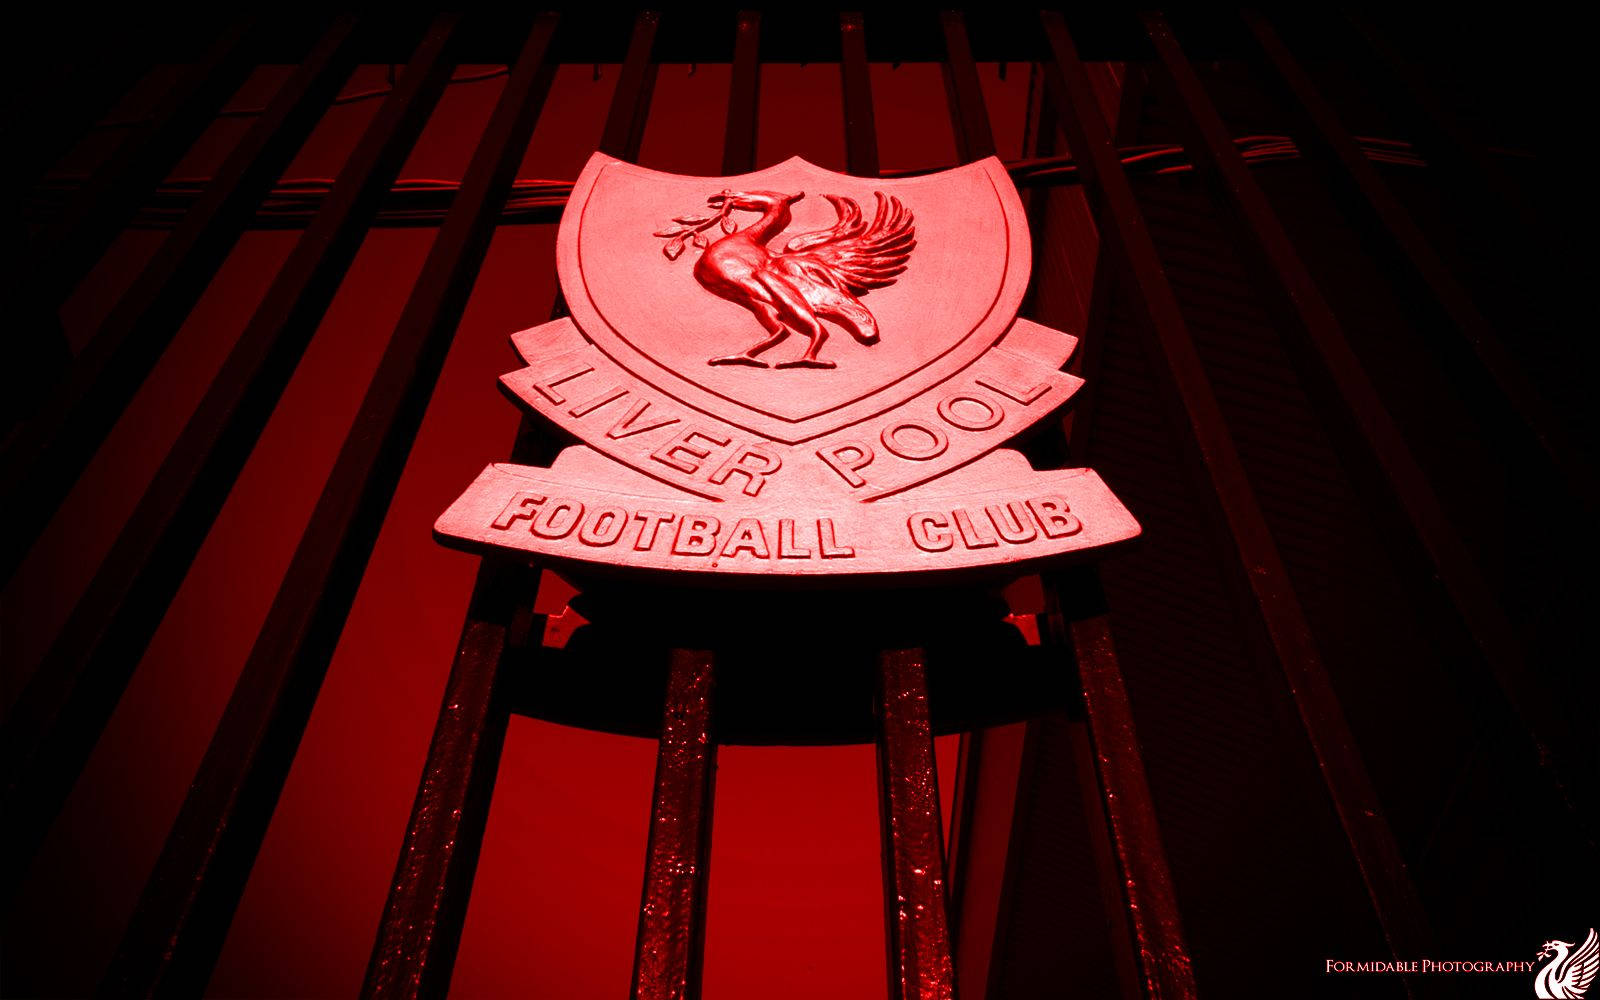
(66, 248)
(669, 947)
(860, 125)
(968, 113)
(40, 465)
(178, 928)
(421, 925)
(1258, 566)
(1453, 298)
(1444, 140)
(1338, 381)
(84, 86)
(420, 932)
(1077, 618)
(625, 123)
(919, 959)
(60, 714)
(744, 97)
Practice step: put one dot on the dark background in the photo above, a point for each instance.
(1265, 882)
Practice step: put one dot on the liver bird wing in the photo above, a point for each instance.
(1582, 965)
(854, 255)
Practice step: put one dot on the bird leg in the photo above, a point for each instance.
(791, 308)
(749, 356)
(769, 319)
(809, 359)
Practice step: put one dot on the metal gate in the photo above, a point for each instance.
(67, 403)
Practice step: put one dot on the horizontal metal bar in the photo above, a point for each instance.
(423, 204)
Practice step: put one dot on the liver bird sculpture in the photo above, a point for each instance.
(818, 275)
(1569, 974)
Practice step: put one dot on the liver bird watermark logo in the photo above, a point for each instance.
(803, 376)
(1570, 971)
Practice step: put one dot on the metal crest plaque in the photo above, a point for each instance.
(791, 373)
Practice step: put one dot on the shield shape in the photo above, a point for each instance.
(934, 308)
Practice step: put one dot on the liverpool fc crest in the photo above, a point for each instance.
(824, 390)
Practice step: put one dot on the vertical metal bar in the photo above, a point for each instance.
(86, 77)
(1524, 397)
(1152, 925)
(1260, 566)
(45, 459)
(60, 713)
(964, 799)
(1155, 946)
(1127, 951)
(744, 97)
(860, 126)
(672, 912)
(974, 138)
(69, 246)
(913, 838)
(624, 129)
(427, 904)
(669, 945)
(918, 932)
(1151, 902)
(1450, 139)
(190, 898)
(1336, 377)
(1027, 771)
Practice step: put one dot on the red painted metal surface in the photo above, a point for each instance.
(668, 950)
(920, 966)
